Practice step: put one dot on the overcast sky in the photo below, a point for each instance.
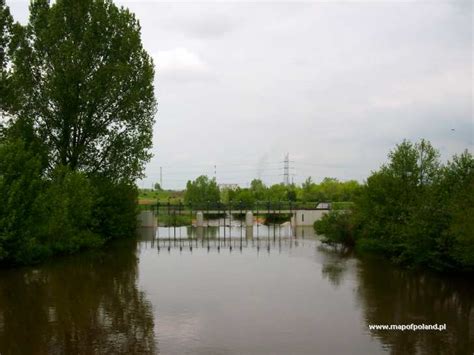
(335, 85)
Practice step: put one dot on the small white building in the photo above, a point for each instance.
(323, 206)
(307, 217)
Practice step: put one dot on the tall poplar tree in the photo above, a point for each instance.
(83, 83)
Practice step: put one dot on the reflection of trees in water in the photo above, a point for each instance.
(80, 305)
(390, 295)
(334, 262)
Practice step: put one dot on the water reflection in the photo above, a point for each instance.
(213, 238)
(335, 260)
(229, 290)
(391, 295)
(85, 304)
(217, 231)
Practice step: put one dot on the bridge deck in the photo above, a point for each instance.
(234, 211)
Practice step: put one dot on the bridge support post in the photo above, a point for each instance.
(199, 219)
(249, 225)
(147, 219)
(249, 219)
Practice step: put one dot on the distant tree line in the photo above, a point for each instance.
(414, 210)
(204, 191)
(77, 110)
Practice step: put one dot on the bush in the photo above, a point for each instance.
(57, 213)
(65, 209)
(413, 210)
(115, 209)
(336, 227)
(20, 185)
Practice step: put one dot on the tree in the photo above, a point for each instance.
(77, 109)
(397, 207)
(291, 193)
(456, 193)
(20, 186)
(308, 190)
(6, 29)
(414, 164)
(413, 210)
(84, 83)
(157, 187)
(258, 189)
(242, 197)
(202, 192)
(277, 193)
(329, 189)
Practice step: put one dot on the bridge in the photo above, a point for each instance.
(299, 215)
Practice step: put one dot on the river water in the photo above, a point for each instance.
(274, 293)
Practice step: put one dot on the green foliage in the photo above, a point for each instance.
(62, 214)
(115, 209)
(397, 205)
(202, 192)
(258, 189)
(457, 192)
(242, 197)
(77, 95)
(414, 210)
(20, 184)
(276, 193)
(161, 196)
(65, 209)
(260, 194)
(342, 205)
(330, 189)
(336, 228)
(84, 83)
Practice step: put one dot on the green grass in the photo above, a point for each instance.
(152, 196)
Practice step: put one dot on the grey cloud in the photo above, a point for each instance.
(336, 85)
(210, 26)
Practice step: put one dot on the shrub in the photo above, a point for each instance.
(115, 209)
(336, 227)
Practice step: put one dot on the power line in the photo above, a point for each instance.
(211, 165)
(213, 171)
(243, 172)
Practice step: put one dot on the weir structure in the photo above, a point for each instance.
(298, 215)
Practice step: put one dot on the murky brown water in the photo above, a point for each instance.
(267, 295)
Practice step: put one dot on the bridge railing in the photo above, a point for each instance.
(258, 207)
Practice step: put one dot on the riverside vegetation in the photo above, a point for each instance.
(204, 193)
(414, 210)
(77, 108)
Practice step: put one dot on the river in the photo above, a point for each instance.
(274, 293)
